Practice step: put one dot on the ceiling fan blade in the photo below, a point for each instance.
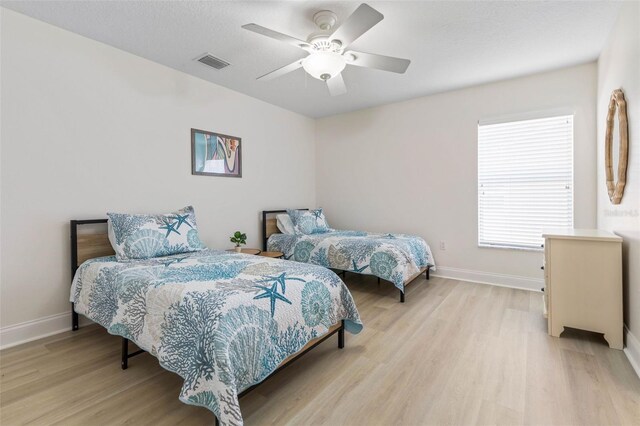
(281, 71)
(336, 85)
(360, 21)
(276, 35)
(380, 62)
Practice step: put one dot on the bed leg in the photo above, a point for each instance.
(217, 422)
(401, 296)
(74, 318)
(378, 280)
(427, 272)
(341, 336)
(124, 361)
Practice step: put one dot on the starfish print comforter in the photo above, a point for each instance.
(222, 321)
(392, 257)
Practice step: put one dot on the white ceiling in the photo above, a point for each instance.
(451, 44)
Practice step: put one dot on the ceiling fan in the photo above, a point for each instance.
(327, 48)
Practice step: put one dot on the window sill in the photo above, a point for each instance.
(506, 247)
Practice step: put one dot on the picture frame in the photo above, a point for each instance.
(215, 154)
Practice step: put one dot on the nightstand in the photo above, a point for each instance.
(272, 254)
(247, 251)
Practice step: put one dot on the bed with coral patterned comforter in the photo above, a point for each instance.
(222, 321)
(393, 257)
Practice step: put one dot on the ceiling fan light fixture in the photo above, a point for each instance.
(324, 65)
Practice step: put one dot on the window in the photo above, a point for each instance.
(525, 180)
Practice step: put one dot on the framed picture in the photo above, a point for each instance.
(215, 154)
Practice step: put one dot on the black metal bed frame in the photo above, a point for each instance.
(264, 225)
(426, 274)
(339, 330)
(125, 355)
(343, 272)
(74, 258)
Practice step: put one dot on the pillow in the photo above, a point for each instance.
(284, 224)
(309, 221)
(141, 236)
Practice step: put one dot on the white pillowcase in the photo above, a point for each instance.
(284, 224)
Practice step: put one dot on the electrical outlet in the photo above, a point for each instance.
(442, 245)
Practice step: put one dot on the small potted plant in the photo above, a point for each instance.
(238, 239)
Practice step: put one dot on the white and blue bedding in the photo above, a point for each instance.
(393, 257)
(143, 236)
(222, 321)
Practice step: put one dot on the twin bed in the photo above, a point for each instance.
(398, 258)
(226, 321)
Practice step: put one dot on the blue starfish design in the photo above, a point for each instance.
(317, 213)
(170, 227)
(390, 236)
(273, 295)
(280, 279)
(356, 269)
(182, 219)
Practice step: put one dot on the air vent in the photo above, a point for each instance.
(211, 61)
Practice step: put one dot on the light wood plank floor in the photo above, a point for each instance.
(455, 353)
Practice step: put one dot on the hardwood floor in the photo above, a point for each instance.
(455, 353)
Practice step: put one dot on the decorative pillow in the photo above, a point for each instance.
(309, 221)
(141, 236)
(284, 224)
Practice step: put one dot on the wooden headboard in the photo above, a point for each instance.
(269, 225)
(85, 246)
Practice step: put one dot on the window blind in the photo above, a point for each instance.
(525, 180)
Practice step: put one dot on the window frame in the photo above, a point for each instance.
(512, 119)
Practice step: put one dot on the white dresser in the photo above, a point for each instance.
(583, 282)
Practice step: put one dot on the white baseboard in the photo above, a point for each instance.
(632, 350)
(28, 331)
(502, 280)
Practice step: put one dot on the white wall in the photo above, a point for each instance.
(87, 128)
(412, 167)
(619, 67)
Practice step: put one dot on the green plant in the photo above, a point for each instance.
(238, 238)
